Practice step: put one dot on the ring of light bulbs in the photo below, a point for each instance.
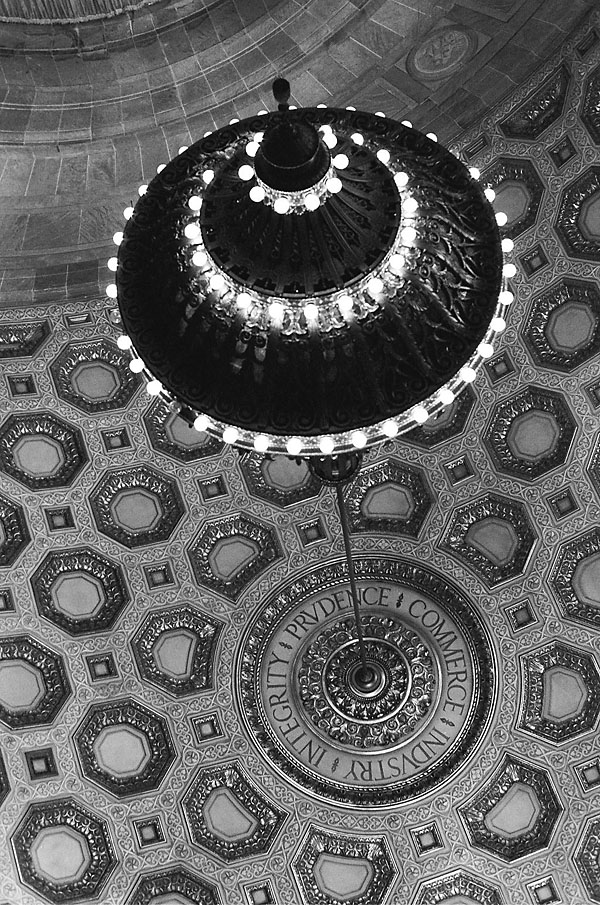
(327, 312)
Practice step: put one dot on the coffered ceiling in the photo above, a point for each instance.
(158, 590)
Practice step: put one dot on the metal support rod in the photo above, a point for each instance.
(346, 532)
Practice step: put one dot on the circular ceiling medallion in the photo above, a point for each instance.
(374, 739)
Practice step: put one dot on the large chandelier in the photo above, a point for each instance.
(311, 281)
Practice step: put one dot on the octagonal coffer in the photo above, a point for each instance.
(173, 885)
(575, 578)
(562, 330)
(41, 451)
(14, 532)
(389, 496)
(458, 886)
(170, 434)
(34, 685)
(94, 376)
(578, 220)
(519, 193)
(280, 480)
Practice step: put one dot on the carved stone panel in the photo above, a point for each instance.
(540, 109)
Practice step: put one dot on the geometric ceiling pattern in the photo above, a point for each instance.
(136, 555)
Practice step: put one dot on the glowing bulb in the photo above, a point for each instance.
(509, 270)
(230, 435)
(124, 342)
(407, 123)
(359, 439)
(261, 443)
(334, 185)
(498, 324)
(431, 136)
(345, 304)
(192, 230)
(486, 350)
(375, 287)
(208, 176)
(311, 311)
(233, 121)
(446, 396)
(410, 205)
(379, 113)
(243, 300)
(200, 423)
(207, 133)
(490, 194)
(396, 264)
(294, 446)
(326, 445)
(257, 193)
(276, 310)
(507, 245)
(154, 387)
(383, 155)
(128, 213)
(501, 218)
(281, 205)
(330, 140)
(112, 264)
(217, 282)
(312, 201)
(252, 148)
(111, 291)
(390, 428)
(195, 203)
(182, 149)
(142, 189)
(340, 161)
(420, 414)
(401, 179)
(467, 375)
(118, 238)
(160, 167)
(352, 109)
(246, 172)
(475, 173)
(322, 107)
(408, 235)
(136, 365)
(199, 258)
(357, 138)
(506, 297)
(258, 137)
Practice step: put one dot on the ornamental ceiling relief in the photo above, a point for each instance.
(145, 570)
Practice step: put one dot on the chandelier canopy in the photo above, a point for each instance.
(310, 281)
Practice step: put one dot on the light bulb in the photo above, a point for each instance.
(112, 264)
(136, 365)
(383, 155)
(401, 179)
(498, 324)
(432, 136)
(252, 148)
(340, 161)
(312, 201)
(281, 205)
(207, 133)
(375, 287)
(124, 342)
(408, 235)
(191, 230)
(330, 140)
(111, 291)
(276, 310)
(208, 176)
(199, 258)
(257, 193)
(358, 439)
(294, 446)
(246, 172)
(352, 109)
(334, 185)
(261, 443)
(501, 218)
(490, 194)
(407, 123)
(326, 445)
(128, 213)
(379, 113)
(506, 297)
(182, 149)
(230, 435)
(160, 167)
(243, 300)
(195, 202)
(357, 138)
(322, 106)
(233, 121)
(311, 311)
(142, 189)
(410, 205)
(345, 304)
(467, 375)
(507, 245)
(258, 137)
(475, 173)
(154, 387)
(217, 282)
(118, 238)
(446, 396)
(486, 350)
(200, 423)
(390, 428)
(420, 414)
(396, 264)
(509, 270)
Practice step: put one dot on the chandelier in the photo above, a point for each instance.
(311, 281)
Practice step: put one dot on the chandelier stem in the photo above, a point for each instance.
(354, 593)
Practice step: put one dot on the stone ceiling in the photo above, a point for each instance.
(144, 568)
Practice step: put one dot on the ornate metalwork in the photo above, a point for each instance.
(268, 817)
(42, 424)
(523, 171)
(170, 882)
(568, 227)
(391, 472)
(372, 849)
(264, 539)
(590, 105)
(162, 488)
(199, 676)
(458, 883)
(67, 813)
(14, 534)
(156, 420)
(505, 456)
(491, 506)
(575, 606)
(22, 340)
(382, 719)
(51, 669)
(587, 859)
(254, 468)
(541, 109)
(537, 836)
(401, 348)
(85, 562)
(535, 665)
(104, 353)
(125, 713)
(536, 330)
